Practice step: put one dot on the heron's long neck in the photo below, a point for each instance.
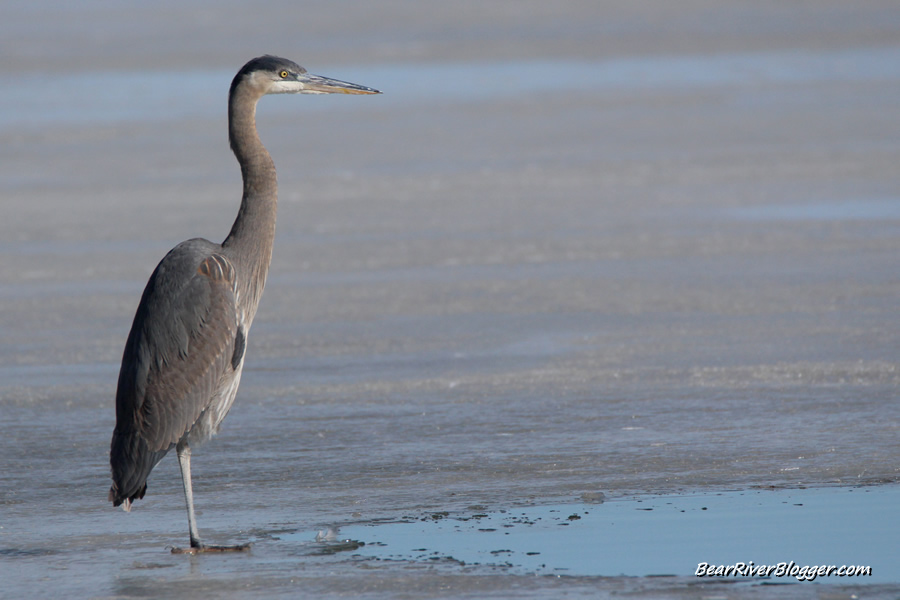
(250, 242)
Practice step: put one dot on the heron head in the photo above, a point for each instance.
(274, 75)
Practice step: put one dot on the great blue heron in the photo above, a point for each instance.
(183, 358)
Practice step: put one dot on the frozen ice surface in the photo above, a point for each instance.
(642, 248)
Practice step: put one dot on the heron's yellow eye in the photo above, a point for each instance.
(283, 74)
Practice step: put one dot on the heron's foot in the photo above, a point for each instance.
(199, 548)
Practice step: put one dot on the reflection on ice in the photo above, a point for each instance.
(660, 535)
(875, 209)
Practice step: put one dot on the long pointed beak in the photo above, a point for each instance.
(316, 84)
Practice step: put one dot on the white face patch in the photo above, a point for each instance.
(285, 86)
(265, 83)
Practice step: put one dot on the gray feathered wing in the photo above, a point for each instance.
(180, 347)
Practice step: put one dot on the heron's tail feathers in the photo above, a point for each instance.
(131, 463)
(125, 501)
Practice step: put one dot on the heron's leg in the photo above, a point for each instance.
(184, 459)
